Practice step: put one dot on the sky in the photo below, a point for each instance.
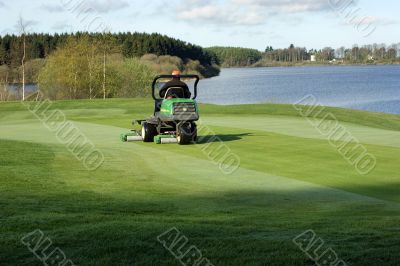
(245, 23)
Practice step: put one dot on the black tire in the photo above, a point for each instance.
(187, 133)
(149, 131)
(194, 138)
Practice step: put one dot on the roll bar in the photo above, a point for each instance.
(153, 86)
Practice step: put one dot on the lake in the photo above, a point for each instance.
(372, 88)
(18, 88)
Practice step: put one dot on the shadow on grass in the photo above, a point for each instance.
(250, 227)
(242, 226)
(222, 137)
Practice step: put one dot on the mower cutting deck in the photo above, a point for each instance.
(174, 116)
(131, 136)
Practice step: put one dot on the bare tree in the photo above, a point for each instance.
(104, 73)
(22, 26)
(107, 47)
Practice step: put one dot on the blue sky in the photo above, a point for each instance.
(247, 23)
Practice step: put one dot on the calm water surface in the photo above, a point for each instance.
(373, 88)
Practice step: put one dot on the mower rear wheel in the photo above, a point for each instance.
(149, 131)
(186, 133)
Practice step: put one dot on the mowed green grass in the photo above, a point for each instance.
(290, 180)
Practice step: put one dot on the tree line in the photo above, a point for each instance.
(367, 54)
(86, 69)
(291, 54)
(88, 66)
(235, 56)
(40, 46)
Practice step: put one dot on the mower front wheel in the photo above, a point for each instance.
(149, 131)
(186, 133)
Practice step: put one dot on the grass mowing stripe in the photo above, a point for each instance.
(300, 127)
(265, 152)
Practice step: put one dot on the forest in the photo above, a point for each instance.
(91, 65)
(367, 54)
(130, 45)
(235, 56)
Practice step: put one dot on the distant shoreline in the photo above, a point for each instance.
(312, 64)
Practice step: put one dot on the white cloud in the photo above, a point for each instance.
(247, 33)
(369, 22)
(244, 12)
(375, 20)
(197, 2)
(204, 12)
(219, 14)
(52, 8)
(105, 6)
(288, 6)
(100, 6)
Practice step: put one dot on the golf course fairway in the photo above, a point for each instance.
(290, 180)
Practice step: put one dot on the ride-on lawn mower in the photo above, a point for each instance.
(174, 116)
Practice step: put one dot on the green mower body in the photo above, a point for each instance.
(179, 110)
